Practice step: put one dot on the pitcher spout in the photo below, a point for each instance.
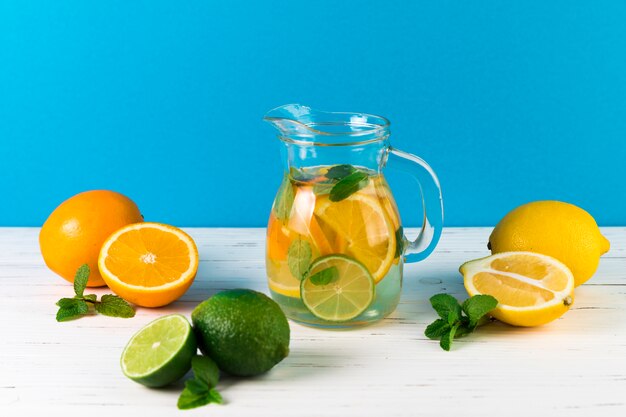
(291, 119)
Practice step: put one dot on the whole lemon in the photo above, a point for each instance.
(75, 231)
(554, 228)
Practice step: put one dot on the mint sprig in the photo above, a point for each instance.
(458, 320)
(200, 390)
(341, 181)
(348, 186)
(78, 306)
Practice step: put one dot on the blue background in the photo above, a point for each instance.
(163, 100)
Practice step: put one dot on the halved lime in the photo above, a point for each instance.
(337, 288)
(160, 353)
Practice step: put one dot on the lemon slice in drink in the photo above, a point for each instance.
(337, 288)
(160, 353)
(368, 232)
(531, 289)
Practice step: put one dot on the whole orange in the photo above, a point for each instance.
(75, 231)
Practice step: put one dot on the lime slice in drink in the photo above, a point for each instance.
(337, 288)
(161, 352)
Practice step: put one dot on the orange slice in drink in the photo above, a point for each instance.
(366, 229)
(278, 239)
(531, 289)
(302, 224)
(149, 264)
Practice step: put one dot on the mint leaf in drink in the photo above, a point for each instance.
(322, 188)
(205, 369)
(477, 307)
(325, 276)
(80, 279)
(455, 320)
(445, 305)
(114, 306)
(338, 172)
(399, 242)
(299, 257)
(348, 186)
(284, 200)
(297, 174)
(71, 308)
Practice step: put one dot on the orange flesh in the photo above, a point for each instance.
(148, 257)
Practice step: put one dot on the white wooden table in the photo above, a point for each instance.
(574, 366)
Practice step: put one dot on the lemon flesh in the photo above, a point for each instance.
(531, 289)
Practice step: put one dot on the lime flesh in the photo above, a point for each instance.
(344, 298)
(161, 352)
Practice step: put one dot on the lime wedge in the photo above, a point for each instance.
(337, 288)
(161, 352)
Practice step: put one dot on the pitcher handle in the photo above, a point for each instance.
(432, 202)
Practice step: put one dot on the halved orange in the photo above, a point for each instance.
(149, 264)
(365, 227)
(531, 289)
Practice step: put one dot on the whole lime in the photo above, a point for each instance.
(243, 331)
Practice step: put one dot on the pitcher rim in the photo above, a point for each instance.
(379, 128)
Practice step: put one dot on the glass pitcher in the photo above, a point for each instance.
(335, 243)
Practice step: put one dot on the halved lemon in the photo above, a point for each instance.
(531, 289)
(366, 229)
(149, 264)
(347, 292)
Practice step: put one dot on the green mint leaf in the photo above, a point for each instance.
(197, 386)
(348, 186)
(477, 306)
(436, 329)
(284, 200)
(453, 318)
(80, 279)
(67, 302)
(90, 297)
(299, 257)
(444, 304)
(322, 188)
(70, 308)
(205, 370)
(114, 306)
(297, 174)
(446, 338)
(399, 242)
(195, 394)
(340, 171)
(463, 330)
(215, 396)
(325, 276)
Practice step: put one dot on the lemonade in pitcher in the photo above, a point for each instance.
(335, 243)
